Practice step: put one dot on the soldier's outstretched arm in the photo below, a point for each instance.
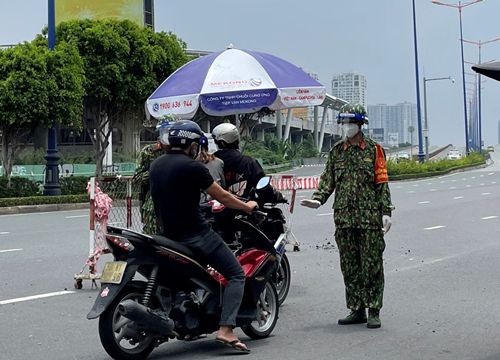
(327, 180)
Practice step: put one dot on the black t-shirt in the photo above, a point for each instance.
(176, 182)
(240, 172)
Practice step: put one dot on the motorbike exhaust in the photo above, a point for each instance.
(145, 316)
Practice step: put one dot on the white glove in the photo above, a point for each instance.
(313, 204)
(387, 223)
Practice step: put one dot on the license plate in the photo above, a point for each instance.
(113, 272)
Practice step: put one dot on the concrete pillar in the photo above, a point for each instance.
(322, 131)
(289, 118)
(279, 130)
(260, 134)
(315, 130)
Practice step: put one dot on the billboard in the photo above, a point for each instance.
(98, 9)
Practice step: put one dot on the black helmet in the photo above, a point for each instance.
(183, 133)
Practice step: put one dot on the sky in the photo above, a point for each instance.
(374, 38)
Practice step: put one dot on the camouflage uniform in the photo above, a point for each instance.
(358, 208)
(141, 177)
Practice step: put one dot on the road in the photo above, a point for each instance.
(442, 263)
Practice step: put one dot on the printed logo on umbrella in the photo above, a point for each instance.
(255, 82)
(156, 107)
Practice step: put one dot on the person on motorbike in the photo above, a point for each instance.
(176, 181)
(240, 172)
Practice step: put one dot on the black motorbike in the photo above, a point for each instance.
(268, 225)
(157, 290)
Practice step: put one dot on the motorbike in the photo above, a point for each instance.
(269, 225)
(155, 290)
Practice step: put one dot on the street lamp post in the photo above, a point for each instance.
(460, 6)
(52, 186)
(479, 44)
(419, 112)
(426, 124)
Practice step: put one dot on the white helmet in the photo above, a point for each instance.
(226, 132)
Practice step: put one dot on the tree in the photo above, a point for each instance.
(124, 63)
(37, 86)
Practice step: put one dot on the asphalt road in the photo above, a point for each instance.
(441, 300)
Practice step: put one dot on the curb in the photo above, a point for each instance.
(26, 209)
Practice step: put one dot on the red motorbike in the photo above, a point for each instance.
(156, 290)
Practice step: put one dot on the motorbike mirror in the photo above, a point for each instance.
(263, 182)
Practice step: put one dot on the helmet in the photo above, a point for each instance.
(355, 113)
(162, 127)
(226, 132)
(183, 133)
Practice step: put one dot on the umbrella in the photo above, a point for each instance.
(491, 70)
(234, 81)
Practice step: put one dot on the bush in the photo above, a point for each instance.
(73, 185)
(41, 200)
(411, 168)
(19, 187)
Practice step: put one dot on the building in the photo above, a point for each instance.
(498, 132)
(350, 87)
(398, 121)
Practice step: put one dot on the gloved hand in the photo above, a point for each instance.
(313, 204)
(387, 223)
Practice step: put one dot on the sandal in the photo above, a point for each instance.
(235, 344)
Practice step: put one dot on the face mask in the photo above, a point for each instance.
(349, 130)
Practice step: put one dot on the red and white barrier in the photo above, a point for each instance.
(290, 182)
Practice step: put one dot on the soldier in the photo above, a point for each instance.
(141, 177)
(356, 170)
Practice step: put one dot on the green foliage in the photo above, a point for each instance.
(19, 187)
(273, 151)
(73, 185)
(432, 168)
(30, 157)
(41, 200)
(37, 87)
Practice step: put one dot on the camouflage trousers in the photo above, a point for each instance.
(149, 217)
(362, 266)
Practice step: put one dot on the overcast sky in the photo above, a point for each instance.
(374, 38)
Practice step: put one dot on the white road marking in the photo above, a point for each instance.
(441, 182)
(493, 182)
(424, 202)
(491, 174)
(415, 185)
(486, 194)
(458, 197)
(434, 190)
(435, 227)
(452, 188)
(482, 184)
(411, 192)
(473, 177)
(76, 216)
(454, 180)
(4, 232)
(481, 175)
(467, 186)
(9, 250)
(325, 214)
(301, 196)
(489, 217)
(44, 213)
(35, 297)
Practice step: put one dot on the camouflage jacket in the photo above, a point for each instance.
(146, 157)
(359, 201)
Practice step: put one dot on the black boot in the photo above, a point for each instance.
(373, 319)
(355, 317)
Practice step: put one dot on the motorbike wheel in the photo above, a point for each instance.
(118, 335)
(267, 314)
(283, 279)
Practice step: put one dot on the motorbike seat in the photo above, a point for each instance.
(174, 245)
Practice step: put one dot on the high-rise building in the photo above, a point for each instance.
(499, 131)
(350, 87)
(398, 121)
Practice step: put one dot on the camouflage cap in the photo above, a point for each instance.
(352, 113)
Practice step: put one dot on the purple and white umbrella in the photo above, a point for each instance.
(234, 82)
